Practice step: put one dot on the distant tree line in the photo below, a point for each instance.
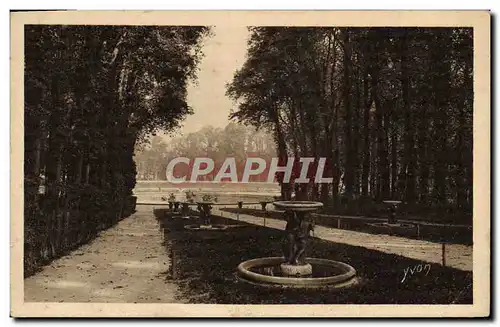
(391, 108)
(234, 140)
(91, 94)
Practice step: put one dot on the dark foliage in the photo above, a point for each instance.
(91, 94)
(390, 109)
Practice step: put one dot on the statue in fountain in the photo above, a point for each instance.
(392, 214)
(298, 229)
(185, 209)
(205, 211)
(171, 200)
(392, 207)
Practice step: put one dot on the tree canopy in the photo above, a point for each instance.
(391, 109)
(234, 140)
(91, 94)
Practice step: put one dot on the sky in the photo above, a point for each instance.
(224, 53)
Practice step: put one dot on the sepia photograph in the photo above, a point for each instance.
(263, 164)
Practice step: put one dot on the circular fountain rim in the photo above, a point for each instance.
(175, 217)
(392, 202)
(396, 225)
(298, 205)
(214, 227)
(337, 281)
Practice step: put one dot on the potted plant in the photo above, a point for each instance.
(190, 196)
(171, 200)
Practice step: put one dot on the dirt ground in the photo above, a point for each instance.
(126, 263)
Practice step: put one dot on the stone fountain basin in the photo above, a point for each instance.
(302, 206)
(345, 276)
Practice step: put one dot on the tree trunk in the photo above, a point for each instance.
(286, 188)
(383, 165)
(53, 171)
(349, 151)
(394, 158)
(407, 173)
(366, 137)
(441, 85)
(423, 159)
(356, 134)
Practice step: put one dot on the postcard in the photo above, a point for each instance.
(250, 164)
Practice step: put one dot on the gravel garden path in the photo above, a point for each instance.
(126, 263)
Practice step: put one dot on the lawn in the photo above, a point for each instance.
(204, 265)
